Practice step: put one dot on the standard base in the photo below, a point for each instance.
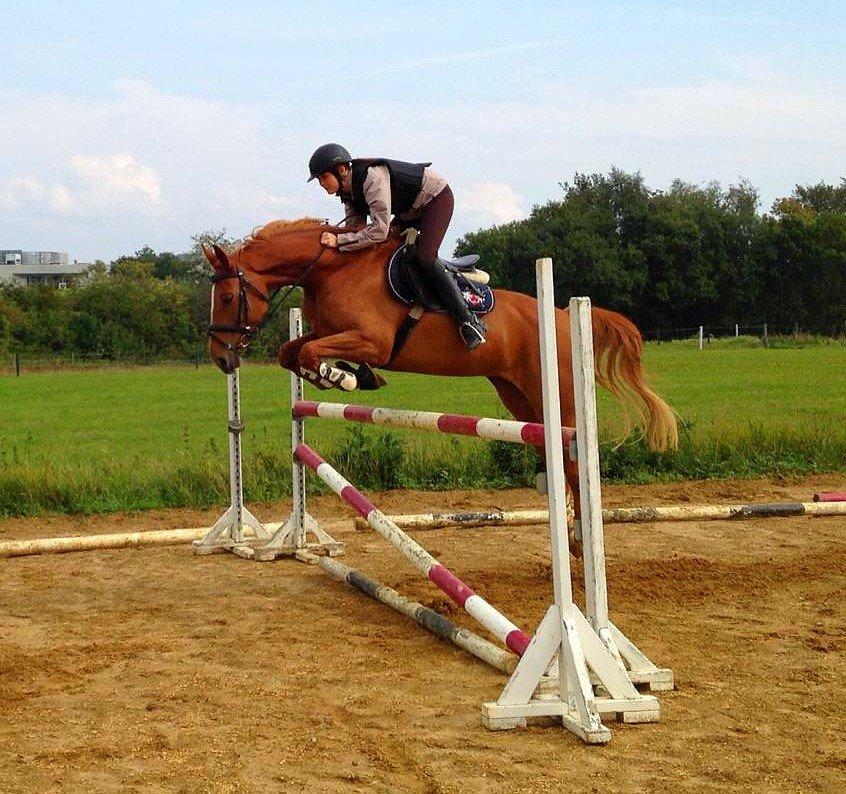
(591, 681)
(639, 668)
(243, 548)
(230, 534)
(266, 541)
(498, 717)
(292, 538)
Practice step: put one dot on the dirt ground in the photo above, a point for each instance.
(155, 670)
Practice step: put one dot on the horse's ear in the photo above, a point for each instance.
(222, 258)
(209, 255)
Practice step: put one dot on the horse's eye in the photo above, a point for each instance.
(227, 298)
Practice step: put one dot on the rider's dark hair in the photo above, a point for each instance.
(336, 170)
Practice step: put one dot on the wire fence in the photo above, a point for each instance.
(15, 364)
(705, 334)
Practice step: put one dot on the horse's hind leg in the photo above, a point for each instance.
(515, 401)
(526, 409)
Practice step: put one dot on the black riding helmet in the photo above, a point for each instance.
(325, 157)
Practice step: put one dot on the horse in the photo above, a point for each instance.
(352, 316)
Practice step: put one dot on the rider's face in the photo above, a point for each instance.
(329, 182)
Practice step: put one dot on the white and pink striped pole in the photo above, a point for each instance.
(476, 606)
(454, 424)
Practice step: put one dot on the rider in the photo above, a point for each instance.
(379, 188)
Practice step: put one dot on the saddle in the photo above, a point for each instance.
(407, 286)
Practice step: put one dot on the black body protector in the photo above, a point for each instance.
(406, 182)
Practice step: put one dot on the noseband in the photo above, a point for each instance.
(247, 332)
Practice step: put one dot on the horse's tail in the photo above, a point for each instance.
(618, 348)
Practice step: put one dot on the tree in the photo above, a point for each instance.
(822, 197)
(677, 258)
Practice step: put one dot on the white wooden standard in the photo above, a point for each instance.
(590, 529)
(584, 660)
(227, 534)
(293, 535)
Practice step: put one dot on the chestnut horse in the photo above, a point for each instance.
(352, 316)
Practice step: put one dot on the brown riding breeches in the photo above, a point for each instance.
(433, 223)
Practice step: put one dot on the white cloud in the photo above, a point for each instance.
(494, 200)
(104, 185)
(26, 192)
(117, 178)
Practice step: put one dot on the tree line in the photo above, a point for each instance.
(685, 256)
(667, 259)
(145, 306)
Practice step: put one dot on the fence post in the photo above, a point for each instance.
(766, 338)
(17, 365)
(736, 330)
(701, 334)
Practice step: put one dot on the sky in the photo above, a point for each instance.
(133, 124)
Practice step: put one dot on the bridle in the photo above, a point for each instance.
(248, 332)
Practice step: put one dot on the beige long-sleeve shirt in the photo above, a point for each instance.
(377, 194)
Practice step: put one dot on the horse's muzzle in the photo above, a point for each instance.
(228, 361)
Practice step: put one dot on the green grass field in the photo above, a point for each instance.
(132, 439)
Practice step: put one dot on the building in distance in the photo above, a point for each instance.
(39, 267)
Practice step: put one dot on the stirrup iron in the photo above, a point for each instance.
(472, 334)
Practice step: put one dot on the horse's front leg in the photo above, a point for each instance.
(288, 357)
(288, 354)
(351, 345)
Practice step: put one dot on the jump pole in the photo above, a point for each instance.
(476, 606)
(429, 619)
(830, 496)
(114, 540)
(430, 521)
(455, 424)
(622, 515)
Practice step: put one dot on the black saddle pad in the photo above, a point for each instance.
(406, 286)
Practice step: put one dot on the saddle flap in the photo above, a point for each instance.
(406, 285)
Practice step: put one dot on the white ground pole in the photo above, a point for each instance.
(564, 631)
(589, 529)
(293, 535)
(228, 532)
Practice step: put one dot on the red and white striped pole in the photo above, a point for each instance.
(455, 424)
(476, 606)
(830, 496)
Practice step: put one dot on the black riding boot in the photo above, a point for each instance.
(471, 328)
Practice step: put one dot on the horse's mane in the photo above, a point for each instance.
(263, 235)
(275, 228)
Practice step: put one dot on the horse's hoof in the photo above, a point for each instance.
(576, 548)
(366, 378)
